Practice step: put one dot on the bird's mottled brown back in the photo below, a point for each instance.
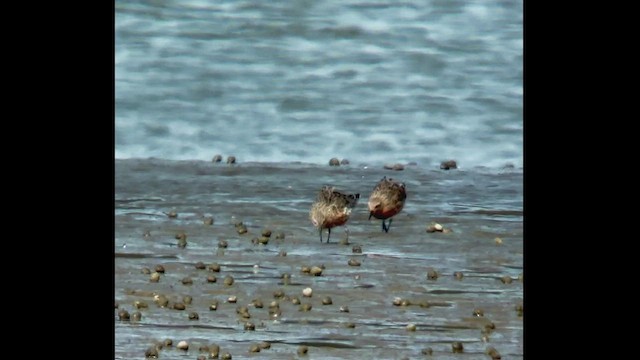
(332, 208)
(387, 198)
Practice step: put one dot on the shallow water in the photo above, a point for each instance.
(414, 80)
(478, 205)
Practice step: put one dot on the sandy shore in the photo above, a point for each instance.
(418, 270)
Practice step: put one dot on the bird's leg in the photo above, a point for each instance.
(329, 236)
(320, 232)
(389, 225)
(384, 226)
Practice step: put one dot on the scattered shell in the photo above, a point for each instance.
(353, 262)
(350, 325)
(457, 347)
(179, 306)
(316, 271)
(356, 249)
(214, 305)
(344, 162)
(232, 299)
(200, 265)
(435, 227)
(136, 316)
(303, 350)
(155, 277)
(257, 303)
(286, 277)
(308, 292)
(278, 294)
(263, 240)
(160, 269)
(140, 304)
(489, 327)
(214, 350)
(194, 316)
(123, 315)
(478, 312)
(172, 214)
(491, 351)
(183, 345)
(249, 326)
(151, 353)
(215, 267)
(212, 279)
(506, 279)
(223, 244)
(187, 281)
(498, 241)
(334, 162)
(242, 229)
(266, 232)
(231, 160)
(327, 300)
(280, 235)
(228, 280)
(225, 356)
(448, 164)
(426, 351)
(411, 327)
(295, 300)
(432, 275)
(182, 243)
(217, 158)
(396, 166)
(520, 309)
(397, 301)
(207, 220)
(458, 275)
(344, 308)
(305, 307)
(254, 348)
(168, 342)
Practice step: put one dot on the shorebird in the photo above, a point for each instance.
(387, 200)
(331, 208)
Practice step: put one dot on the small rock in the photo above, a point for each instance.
(448, 164)
(457, 347)
(303, 350)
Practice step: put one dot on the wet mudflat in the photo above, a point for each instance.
(407, 293)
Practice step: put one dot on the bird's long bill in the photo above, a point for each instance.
(370, 215)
